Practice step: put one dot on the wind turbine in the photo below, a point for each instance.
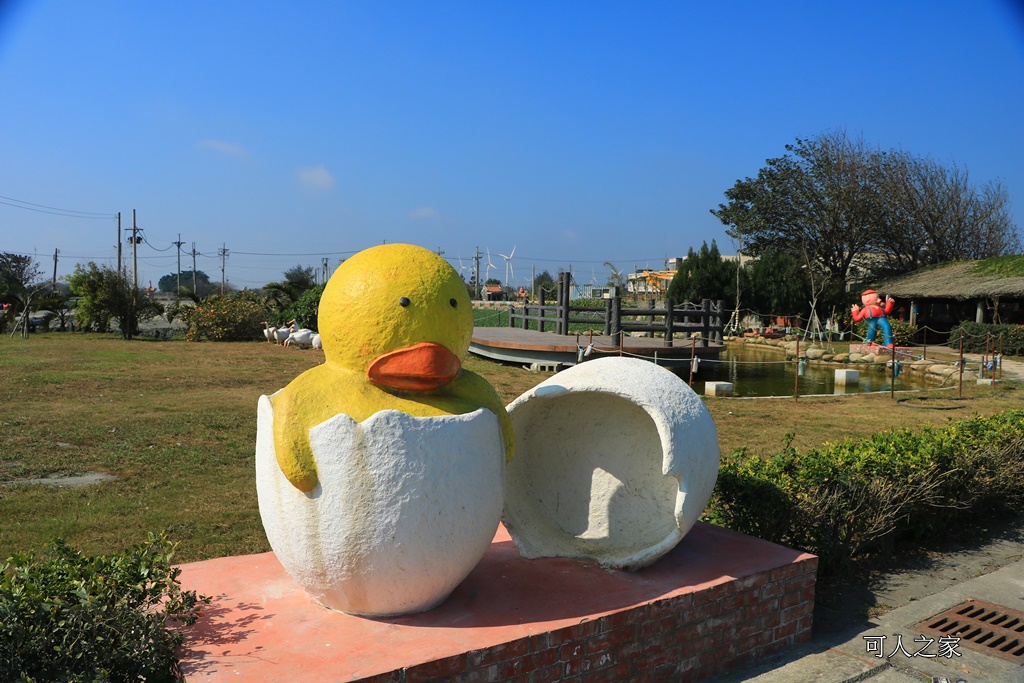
(462, 268)
(487, 273)
(508, 264)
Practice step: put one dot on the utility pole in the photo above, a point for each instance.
(119, 242)
(195, 292)
(476, 259)
(223, 253)
(325, 268)
(135, 277)
(177, 289)
(135, 251)
(55, 252)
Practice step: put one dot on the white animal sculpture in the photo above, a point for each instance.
(300, 337)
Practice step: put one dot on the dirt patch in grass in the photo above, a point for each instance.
(65, 481)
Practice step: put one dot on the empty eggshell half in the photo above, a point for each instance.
(615, 460)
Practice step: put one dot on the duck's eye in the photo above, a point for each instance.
(454, 303)
(404, 301)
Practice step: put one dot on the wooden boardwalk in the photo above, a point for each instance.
(516, 345)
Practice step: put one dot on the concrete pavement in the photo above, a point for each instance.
(853, 655)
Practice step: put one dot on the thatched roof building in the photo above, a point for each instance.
(984, 291)
(962, 280)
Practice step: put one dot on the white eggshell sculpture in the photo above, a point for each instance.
(404, 509)
(615, 460)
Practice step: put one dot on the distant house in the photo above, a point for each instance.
(493, 293)
(989, 291)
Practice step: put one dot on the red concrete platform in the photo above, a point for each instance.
(717, 600)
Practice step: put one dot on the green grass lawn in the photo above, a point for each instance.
(175, 422)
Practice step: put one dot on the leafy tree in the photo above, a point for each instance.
(106, 294)
(305, 310)
(18, 286)
(615, 276)
(203, 286)
(546, 282)
(852, 212)
(778, 285)
(297, 280)
(57, 301)
(821, 202)
(935, 214)
(17, 274)
(704, 275)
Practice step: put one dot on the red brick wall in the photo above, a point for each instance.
(685, 638)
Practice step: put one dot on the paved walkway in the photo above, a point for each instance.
(853, 655)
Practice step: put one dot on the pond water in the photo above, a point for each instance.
(766, 372)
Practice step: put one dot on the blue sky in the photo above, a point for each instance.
(579, 132)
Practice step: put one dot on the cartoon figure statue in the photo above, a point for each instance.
(875, 313)
(379, 473)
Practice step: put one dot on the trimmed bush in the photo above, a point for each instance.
(305, 310)
(231, 317)
(848, 501)
(977, 336)
(71, 618)
(902, 332)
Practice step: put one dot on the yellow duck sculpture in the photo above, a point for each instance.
(379, 473)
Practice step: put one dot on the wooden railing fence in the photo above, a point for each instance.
(687, 318)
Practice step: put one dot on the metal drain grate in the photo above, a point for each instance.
(981, 626)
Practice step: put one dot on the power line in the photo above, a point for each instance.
(318, 253)
(42, 208)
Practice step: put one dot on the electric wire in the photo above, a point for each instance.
(42, 208)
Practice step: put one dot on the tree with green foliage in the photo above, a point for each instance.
(17, 274)
(202, 285)
(821, 202)
(305, 310)
(852, 212)
(616, 278)
(58, 302)
(107, 294)
(19, 283)
(704, 275)
(281, 295)
(777, 285)
(545, 282)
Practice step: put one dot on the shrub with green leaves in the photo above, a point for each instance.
(988, 338)
(76, 619)
(902, 332)
(304, 311)
(230, 317)
(852, 500)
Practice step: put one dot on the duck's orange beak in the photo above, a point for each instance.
(421, 367)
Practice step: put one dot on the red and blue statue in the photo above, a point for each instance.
(875, 312)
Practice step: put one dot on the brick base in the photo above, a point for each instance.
(719, 600)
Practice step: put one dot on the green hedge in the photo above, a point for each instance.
(76, 619)
(977, 335)
(849, 501)
(231, 317)
(902, 332)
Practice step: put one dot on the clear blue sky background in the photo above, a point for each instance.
(580, 132)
